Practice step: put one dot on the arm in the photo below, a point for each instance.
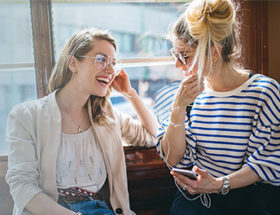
(23, 171)
(146, 117)
(148, 120)
(42, 204)
(262, 152)
(174, 140)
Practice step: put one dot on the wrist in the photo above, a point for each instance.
(218, 185)
(176, 125)
(224, 189)
(132, 93)
(177, 114)
(178, 108)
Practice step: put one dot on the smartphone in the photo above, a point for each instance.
(189, 173)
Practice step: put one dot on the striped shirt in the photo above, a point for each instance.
(163, 101)
(227, 130)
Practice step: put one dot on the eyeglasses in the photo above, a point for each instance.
(179, 56)
(102, 62)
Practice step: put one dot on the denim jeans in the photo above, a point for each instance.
(94, 207)
(261, 199)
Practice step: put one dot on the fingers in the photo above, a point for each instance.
(179, 180)
(205, 183)
(193, 90)
(189, 89)
(182, 178)
(181, 184)
(115, 85)
(185, 183)
(121, 83)
(121, 77)
(189, 80)
(199, 171)
(192, 83)
(123, 74)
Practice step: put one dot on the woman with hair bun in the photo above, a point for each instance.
(231, 139)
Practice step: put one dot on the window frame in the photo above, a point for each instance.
(43, 43)
(254, 37)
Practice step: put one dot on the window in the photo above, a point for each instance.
(140, 30)
(17, 74)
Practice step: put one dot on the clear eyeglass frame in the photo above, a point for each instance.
(102, 62)
(178, 56)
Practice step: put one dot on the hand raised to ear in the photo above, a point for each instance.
(122, 84)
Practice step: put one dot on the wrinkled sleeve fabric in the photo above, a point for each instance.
(133, 132)
(23, 171)
(263, 153)
(160, 135)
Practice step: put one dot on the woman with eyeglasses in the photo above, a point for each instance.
(231, 139)
(65, 150)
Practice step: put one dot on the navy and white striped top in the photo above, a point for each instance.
(227, 130)
(163, 101)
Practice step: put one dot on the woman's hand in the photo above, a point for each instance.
(122, 84)
(189, 89)
(205, 183)
(148, 120)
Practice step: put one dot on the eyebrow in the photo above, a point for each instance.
(187, 51)
(105, 55)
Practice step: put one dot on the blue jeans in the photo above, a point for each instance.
(252, 200)
(94, 207)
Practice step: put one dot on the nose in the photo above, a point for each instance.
(110, 69)
(178, 63)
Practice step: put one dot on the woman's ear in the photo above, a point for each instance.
(73, 64)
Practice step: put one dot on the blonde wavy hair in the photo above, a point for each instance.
(78, 45)
(208, 23)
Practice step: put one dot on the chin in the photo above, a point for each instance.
(99, 94)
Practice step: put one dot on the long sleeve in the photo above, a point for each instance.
(264, 143)
(162, 109)
(133, 132)
(22, 175)
(236, 128)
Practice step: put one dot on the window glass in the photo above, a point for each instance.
(17, 75)
(140, 30)
(15, 38)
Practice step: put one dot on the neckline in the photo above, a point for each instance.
(77, 134)
(231, 92)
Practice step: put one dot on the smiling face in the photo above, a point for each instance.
(88, 75)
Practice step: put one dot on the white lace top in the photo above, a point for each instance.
(80, 162)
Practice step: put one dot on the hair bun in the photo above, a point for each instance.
(213, 19)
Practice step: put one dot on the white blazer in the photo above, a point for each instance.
(33, 134)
